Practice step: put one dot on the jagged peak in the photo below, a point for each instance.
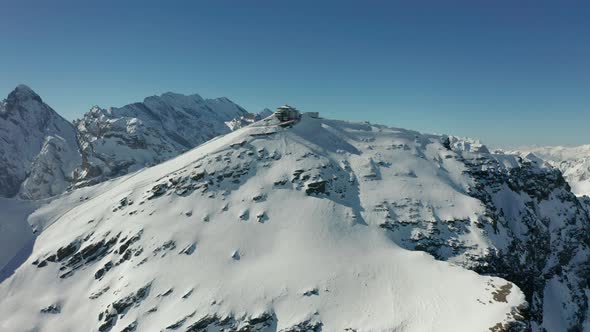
(95, 109)
(22, 93)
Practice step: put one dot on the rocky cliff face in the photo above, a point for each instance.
(117, 141)
(38, 148)
(573, 162)
(538, 233)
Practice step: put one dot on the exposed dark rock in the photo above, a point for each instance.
(166, 293)
(97, 294)
(202, 324)
(311, 292)
(306, 326)
(501, 294)
(100, 273)
(232, 324)
(164, 248)
(120, 307)
(66, 251)
(188, 294)
(261, 217)
(297, 175)
(181, 322)
(280, 183)
(131, 327)
(259, 198)
(244, 215)
(52, 309)
(317, 187)
(158, 190)
(189, 250)
(123, 247)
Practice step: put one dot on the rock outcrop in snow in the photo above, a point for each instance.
(38, 148)
(318, 227)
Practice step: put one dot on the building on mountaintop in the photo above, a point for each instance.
(287, 113)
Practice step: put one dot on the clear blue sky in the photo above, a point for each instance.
(508, 72)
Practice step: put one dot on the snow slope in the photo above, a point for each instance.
(274, 229)
(574, 163)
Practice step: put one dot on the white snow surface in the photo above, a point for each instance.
(228, 230)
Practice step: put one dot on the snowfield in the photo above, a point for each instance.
(323, 226)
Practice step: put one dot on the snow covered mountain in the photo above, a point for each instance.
(319, 227)
(38, 148)
(42, 154)
(117, 141)
(574, 163)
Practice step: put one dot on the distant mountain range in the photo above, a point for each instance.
(42, 154)
(573, 162)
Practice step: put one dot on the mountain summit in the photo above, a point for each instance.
(23, 93)
(311, 225)
(38, 148)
